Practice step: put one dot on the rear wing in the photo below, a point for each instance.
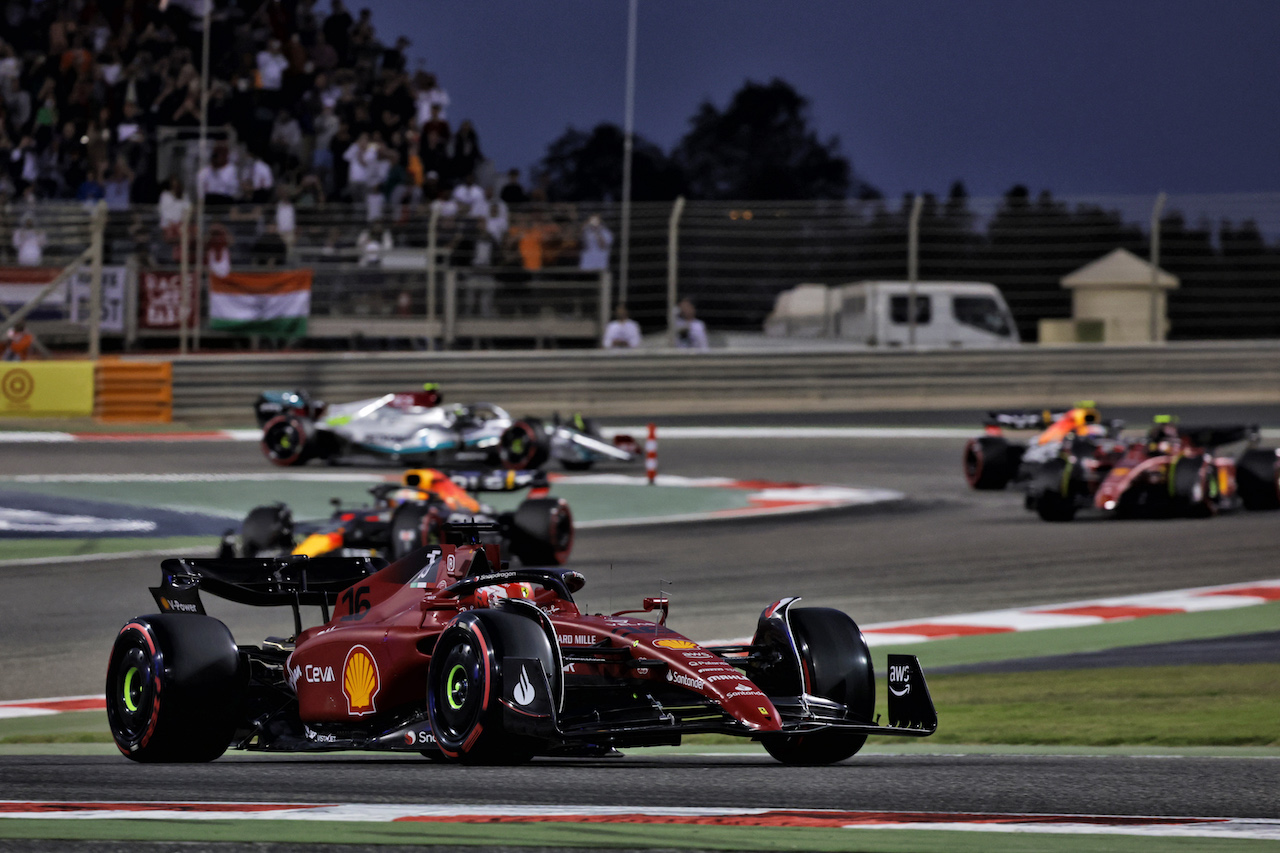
(499, 480)
(1024, 418)
(1210, 437)
(291, 581)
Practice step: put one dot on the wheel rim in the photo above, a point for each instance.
(462, 690)
(972, 464)
(518, 445)
(282, 440)
(133, 695)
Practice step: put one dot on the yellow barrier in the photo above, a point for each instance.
(46, 388)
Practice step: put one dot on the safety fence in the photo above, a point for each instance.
(373, 280)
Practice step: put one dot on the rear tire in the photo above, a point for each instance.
(267, 530)
(288, 439)
(414, 526)
(524, 445)
(1258, 479)
(838, 667)
(541, 532)
(990, 462)
(174, 687)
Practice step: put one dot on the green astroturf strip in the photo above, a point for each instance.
(612, 836)
(1221, 705)
(26, 549)
(1091, 638)
(310, 499)
(71, 727)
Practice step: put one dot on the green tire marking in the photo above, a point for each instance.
(452, 687)
(128, 689)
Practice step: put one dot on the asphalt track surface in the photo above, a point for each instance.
(946, 550)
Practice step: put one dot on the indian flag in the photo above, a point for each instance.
(261, 303)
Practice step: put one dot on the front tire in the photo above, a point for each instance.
(465, 686)
(415, 526)
(174, 685)
(837, 667)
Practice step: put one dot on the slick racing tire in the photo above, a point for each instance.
(1055, 498)
(267, 530)
(465, 686)
(288, 439)
(524, 445)
(541, 532)
(990, 462)
(838, 667)
(1193, 487)
(174, 688)
(415, 526)
(1258, 479)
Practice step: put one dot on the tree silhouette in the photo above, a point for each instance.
(583, 166)
(761, 147)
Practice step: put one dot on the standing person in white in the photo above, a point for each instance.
(596, 242)
(691, 333)
(622, 332)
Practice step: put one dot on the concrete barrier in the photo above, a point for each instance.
(221, 388)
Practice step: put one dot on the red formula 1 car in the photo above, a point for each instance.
(1172, 471)
(448, 653)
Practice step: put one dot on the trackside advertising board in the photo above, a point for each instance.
(46, 388)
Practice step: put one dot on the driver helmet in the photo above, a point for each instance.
(431, 394)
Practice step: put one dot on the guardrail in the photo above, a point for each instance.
(222, 388)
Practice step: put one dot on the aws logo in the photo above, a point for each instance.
(900, 675)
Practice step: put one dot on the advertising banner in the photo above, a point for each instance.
(160, 300)
(113, 297)
(46, 388)
(19, 285)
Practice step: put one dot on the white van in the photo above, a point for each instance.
(877, 313)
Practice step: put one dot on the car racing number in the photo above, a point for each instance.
(357, 603)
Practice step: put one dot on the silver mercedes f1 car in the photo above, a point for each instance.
(418, 428)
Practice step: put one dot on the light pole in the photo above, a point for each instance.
(628, 134)
(201, 159)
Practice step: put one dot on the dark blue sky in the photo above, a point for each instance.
(1081, 97)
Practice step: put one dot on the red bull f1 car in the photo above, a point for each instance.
(418, 428)
(416, 512)
(993, 460)
(451, 653)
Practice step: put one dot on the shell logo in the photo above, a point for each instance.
(676, 644)
(360, 681)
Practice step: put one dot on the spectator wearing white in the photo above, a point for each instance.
(497, 222)
(622, 332)
(173, 203)
(261, 181)
(29, 242)
(271, 66)
(286, 218)
(691, 333)
(371, 244)
(218, 183)
(379, 168)
(471, 198)
(597, 239)
(429, 94)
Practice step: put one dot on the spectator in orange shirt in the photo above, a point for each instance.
(17, 343)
